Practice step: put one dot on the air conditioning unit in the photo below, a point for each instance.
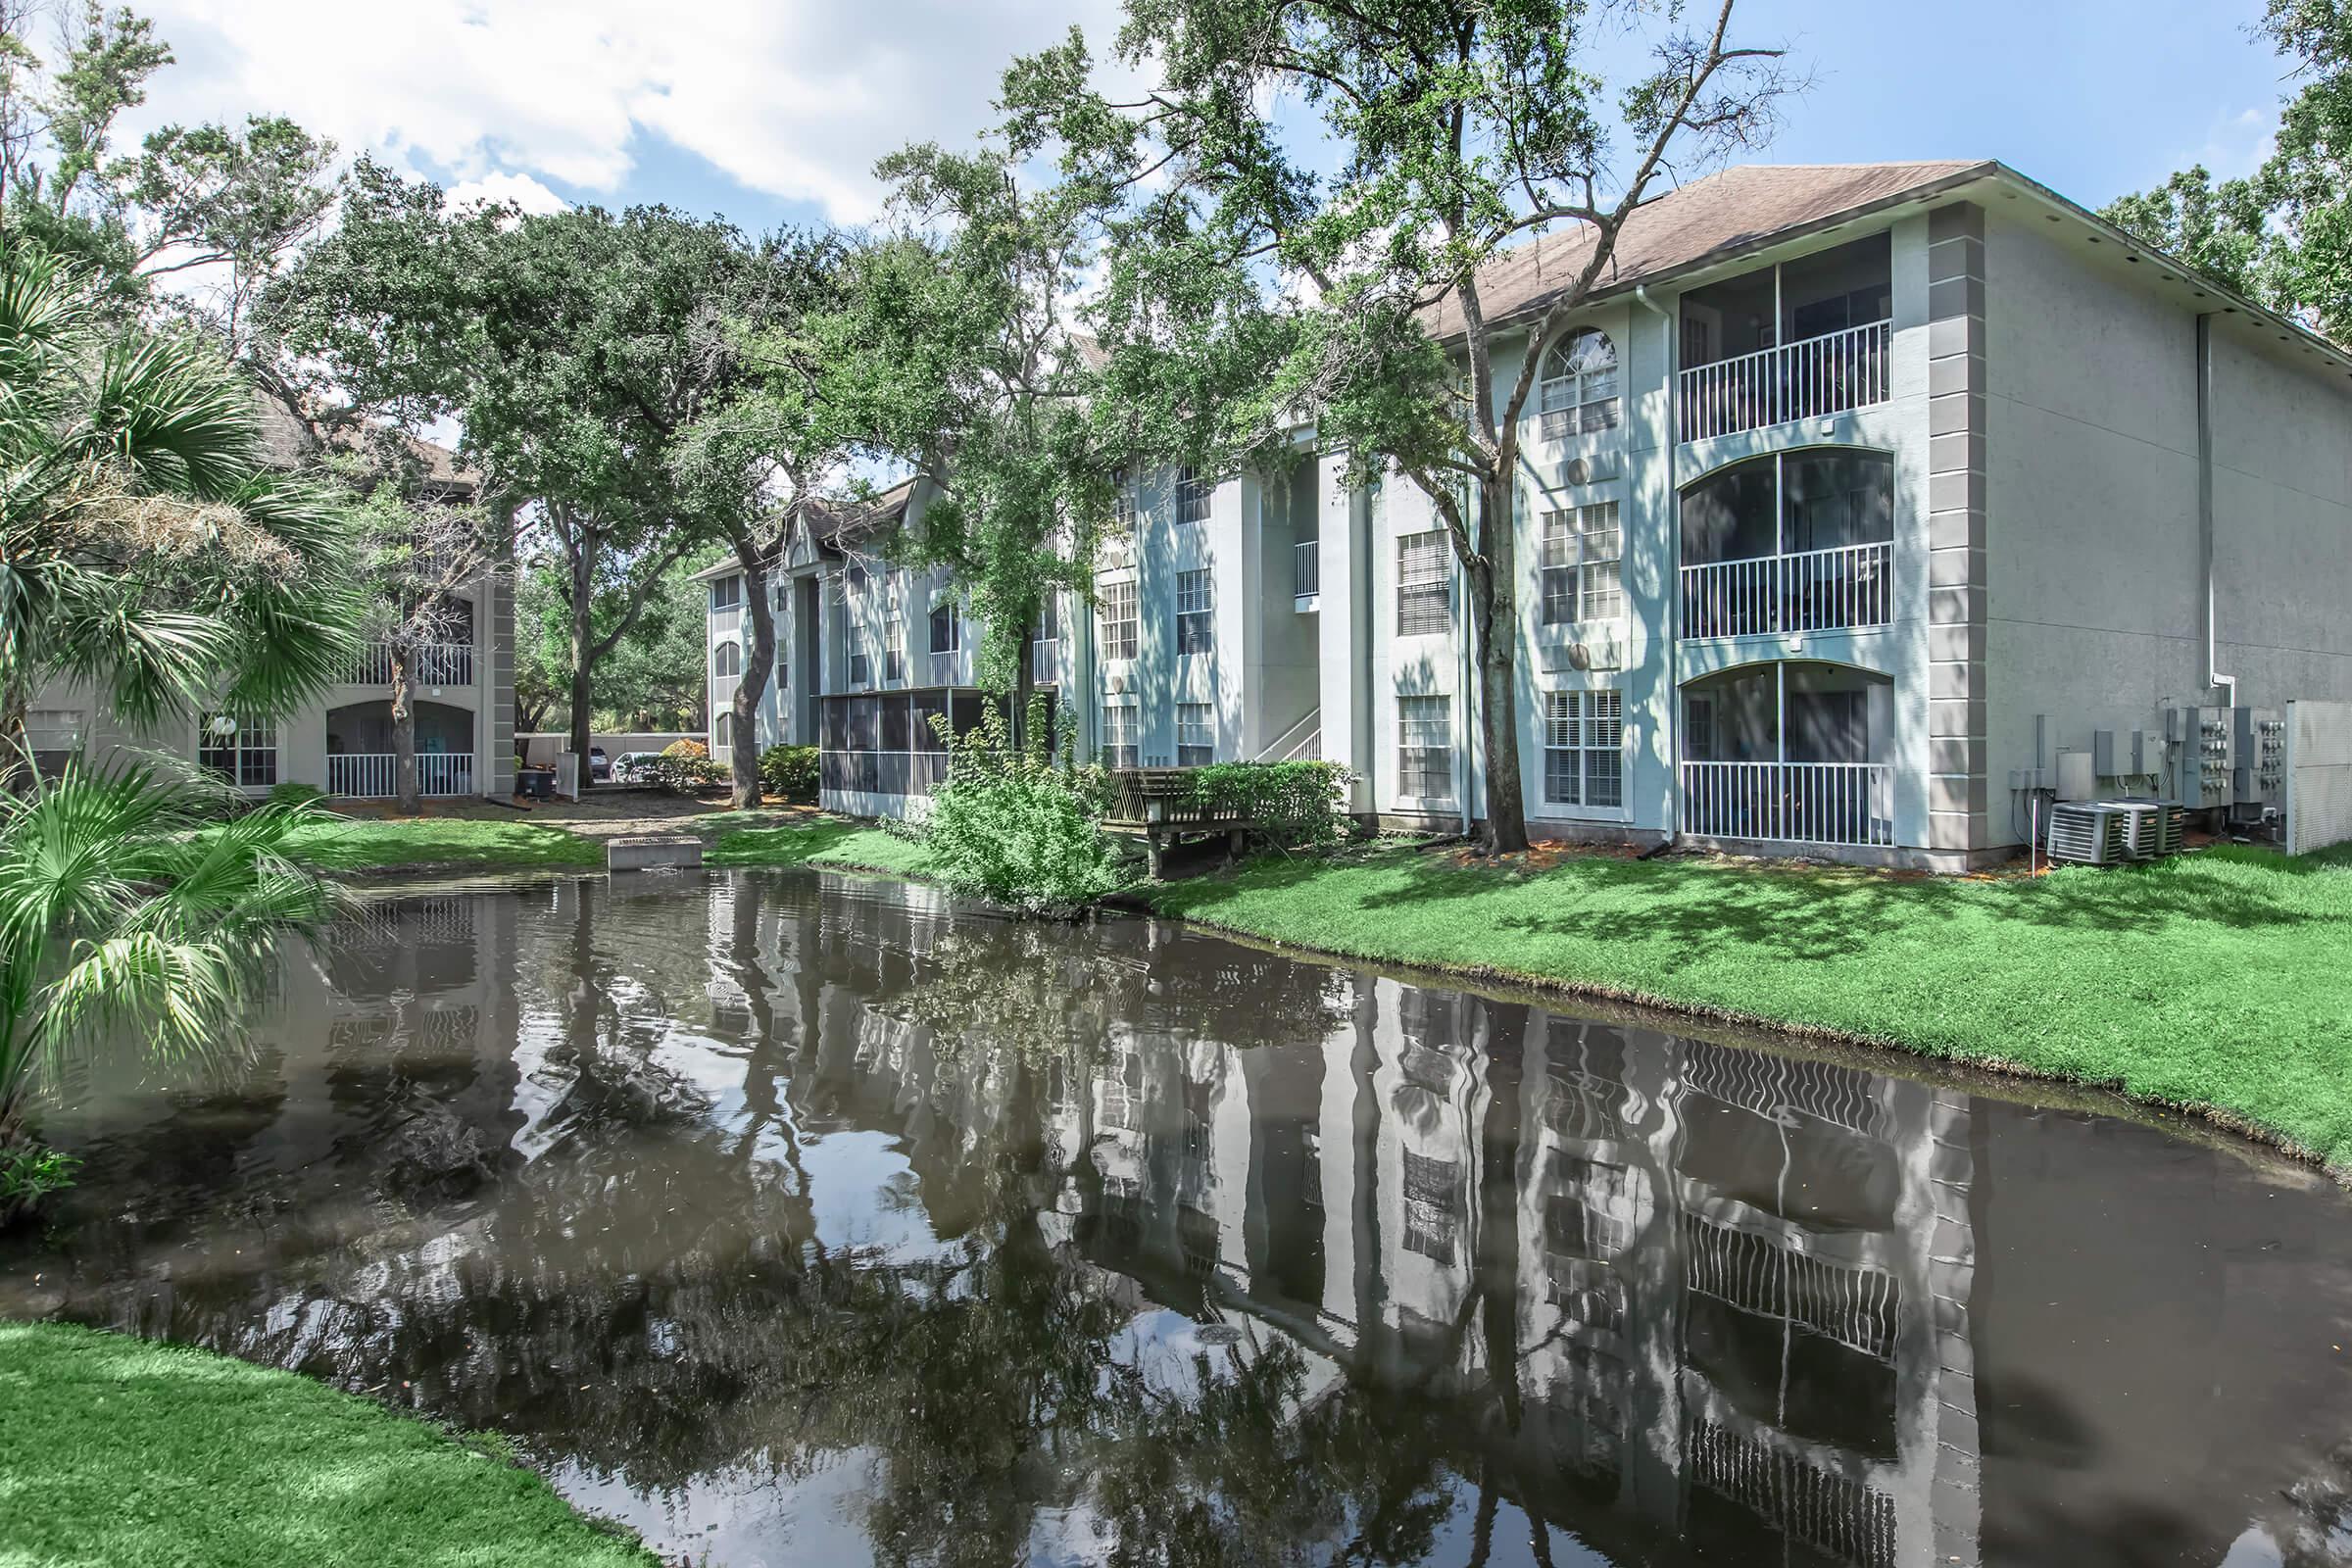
(2152, 827)
(2091, 833)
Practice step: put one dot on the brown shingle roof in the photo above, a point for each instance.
(1724, 212)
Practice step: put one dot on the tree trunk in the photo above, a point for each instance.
(1494, 619)
(15, 764)
(411, 799)
(583, 654)
(758, 669)
(1024, 686)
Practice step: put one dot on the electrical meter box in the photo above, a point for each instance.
(2204, 756)
(2260, 775)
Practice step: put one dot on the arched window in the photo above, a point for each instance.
(722, 733)
(1579, 391)
(728, 658)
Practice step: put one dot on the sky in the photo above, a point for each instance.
(773, 112)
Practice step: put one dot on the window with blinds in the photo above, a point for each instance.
(1120, 747)
(1116, 613)
(894, 647)
(1584, 748)
(1583, 570)
(1425, 748)
(1423, 596)
(1195, 734)
(1195, 618)
(1192, 496)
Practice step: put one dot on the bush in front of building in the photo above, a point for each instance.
(1288, 805)
(789, 772)
(1014, 828)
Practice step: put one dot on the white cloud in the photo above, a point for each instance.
(521, 189)
(794, 98)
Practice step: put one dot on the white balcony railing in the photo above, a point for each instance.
(1812, 590)
(1306, 560)
(429, 664)
(1796, 803)
(376, 775)
(1801, 380)
(1044, 661)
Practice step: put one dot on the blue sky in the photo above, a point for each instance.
(773, 111)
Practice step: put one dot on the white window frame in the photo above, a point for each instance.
(722, 730)
(245, 751)
(953, 623)
(719, 660)
(1195, 734)
(1196, 612)
(1579, 394)
(1424, 743)
(894, 647)
(726, 593)
(1584, 749)
(1119, 615)
(1122, 735)
(1194, 496)
(1424, 581)
(1583, 557)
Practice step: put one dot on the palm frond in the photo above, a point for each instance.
(130, 907)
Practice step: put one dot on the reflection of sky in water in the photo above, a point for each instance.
(744, 1517)
(861, 1192)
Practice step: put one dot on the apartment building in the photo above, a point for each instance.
(1854, 495)
(341, 742)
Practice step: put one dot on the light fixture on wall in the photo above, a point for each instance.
(1797, 643)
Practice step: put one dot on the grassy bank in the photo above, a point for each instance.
(2220, 979)
(122, 1453)
(841, 845)
(364, 845)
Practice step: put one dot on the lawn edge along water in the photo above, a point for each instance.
(2089, 977)
(136, 1453)
(369, 848)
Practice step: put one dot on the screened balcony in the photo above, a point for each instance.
(1790, 753)
(360, 762)
(1794, 341)
(1794, 542)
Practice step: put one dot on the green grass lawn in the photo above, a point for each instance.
(119, 1452)
(2220, 978)
(363, 844)
(830, 842)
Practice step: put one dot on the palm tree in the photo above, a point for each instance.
(147, 556)
(131, 909)
(144, 552)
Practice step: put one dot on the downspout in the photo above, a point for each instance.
(1466, 711)
(1674, 564)
(2212, 630)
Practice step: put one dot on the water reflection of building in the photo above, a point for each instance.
(1735, 1284)
(1731, 1288)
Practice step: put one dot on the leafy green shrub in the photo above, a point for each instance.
(290, 795)
(1012, 827)
(789, 772)
(683, 774)
(1288, 805)
(29, 1173)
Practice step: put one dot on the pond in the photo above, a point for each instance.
(808, 1219)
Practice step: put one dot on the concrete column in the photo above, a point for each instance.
(1958, 814)
(1343, 649)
